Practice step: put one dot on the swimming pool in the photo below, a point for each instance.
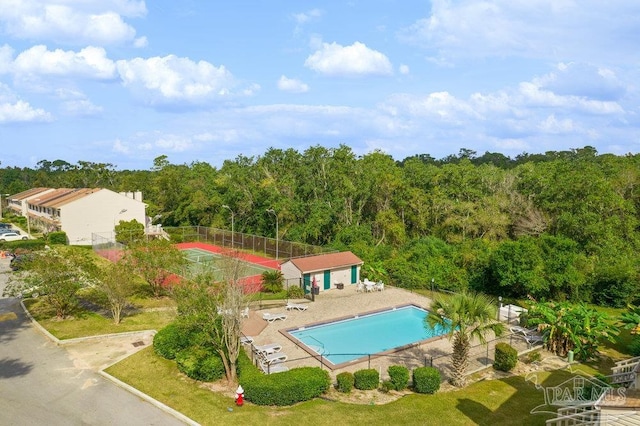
(367, 334)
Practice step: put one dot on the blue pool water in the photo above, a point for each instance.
(346, 340)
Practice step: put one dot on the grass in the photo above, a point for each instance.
(507, 401)
(86, 323)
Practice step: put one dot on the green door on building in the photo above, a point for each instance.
(354, 274)
(327, 280)
(306, 283)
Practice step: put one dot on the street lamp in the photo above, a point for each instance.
(499, 306)
(224, 206)
(432, 281)
(273, 212)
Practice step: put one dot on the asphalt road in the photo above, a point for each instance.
(39, 384)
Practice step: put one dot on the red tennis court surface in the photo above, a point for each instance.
(252, 283)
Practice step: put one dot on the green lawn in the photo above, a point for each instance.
(506, 402)
(86, 323)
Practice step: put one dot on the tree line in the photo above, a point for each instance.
(553, 226)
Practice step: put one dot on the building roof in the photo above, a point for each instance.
(28, 193)
(63, 196)
(323, 262)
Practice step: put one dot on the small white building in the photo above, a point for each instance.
(324, 271)
(79, 212)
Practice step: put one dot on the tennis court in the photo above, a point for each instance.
(201, 260)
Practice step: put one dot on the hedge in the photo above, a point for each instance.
(345, 382)
(23, 244)
(426, 380)
(398, 376)
(200, 364)
(57, 237)
(170, 340)
(286, 388)
(506, 357)
(366, 379)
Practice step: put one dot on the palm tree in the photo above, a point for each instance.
(467, 316)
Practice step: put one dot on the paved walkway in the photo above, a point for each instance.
(45, 384)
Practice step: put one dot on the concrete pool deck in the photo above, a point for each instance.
(332, 304)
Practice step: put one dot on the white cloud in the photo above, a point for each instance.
(81, 108)
(292, 85)
(170, 79)
(304, 17)
(354, 60)
(404, 69)
(15, 110)
(90, 62)
(86, 22)
(547, 29)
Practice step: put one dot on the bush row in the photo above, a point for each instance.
(286, 388)
(425, 379)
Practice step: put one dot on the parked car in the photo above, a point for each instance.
(12, 236)
(5, 225)
(4, 231)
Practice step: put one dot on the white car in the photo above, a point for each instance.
(12, 236)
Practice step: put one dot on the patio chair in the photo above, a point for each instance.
(275, 358)
(245, 313)
(273, 317)
(533, 339)
(272, 368)
(300, 307)
(360, 287)
(522, 330)
(380, 286)
(269, 348)
(246, 340)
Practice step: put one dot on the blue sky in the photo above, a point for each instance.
(125, 81)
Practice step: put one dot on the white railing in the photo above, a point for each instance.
(582, 416)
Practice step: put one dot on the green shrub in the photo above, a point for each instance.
(286, 388)
(398, 376)
(426, 380)
(200, 364)
(295, 292)
(29, 245)
(534, 356)
(345, 382)
(170, 340)
(366, 379)
(634, 346)
(387, 386)
(58, 237)
(506, 357)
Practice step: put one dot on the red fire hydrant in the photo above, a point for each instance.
(239, 396)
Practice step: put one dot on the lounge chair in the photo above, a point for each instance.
(522, 330)
(268, 348)
(246, 340)
(300, 307)
(275, 358)
(273, 317)
(272, 368)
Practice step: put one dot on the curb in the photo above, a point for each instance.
(178, 415)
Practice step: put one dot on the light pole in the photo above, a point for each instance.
(432, 281)
(224, 206)
(499, 306)
(273, 212)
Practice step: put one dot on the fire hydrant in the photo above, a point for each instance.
(239, 396)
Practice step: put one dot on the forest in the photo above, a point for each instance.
(562, 225)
